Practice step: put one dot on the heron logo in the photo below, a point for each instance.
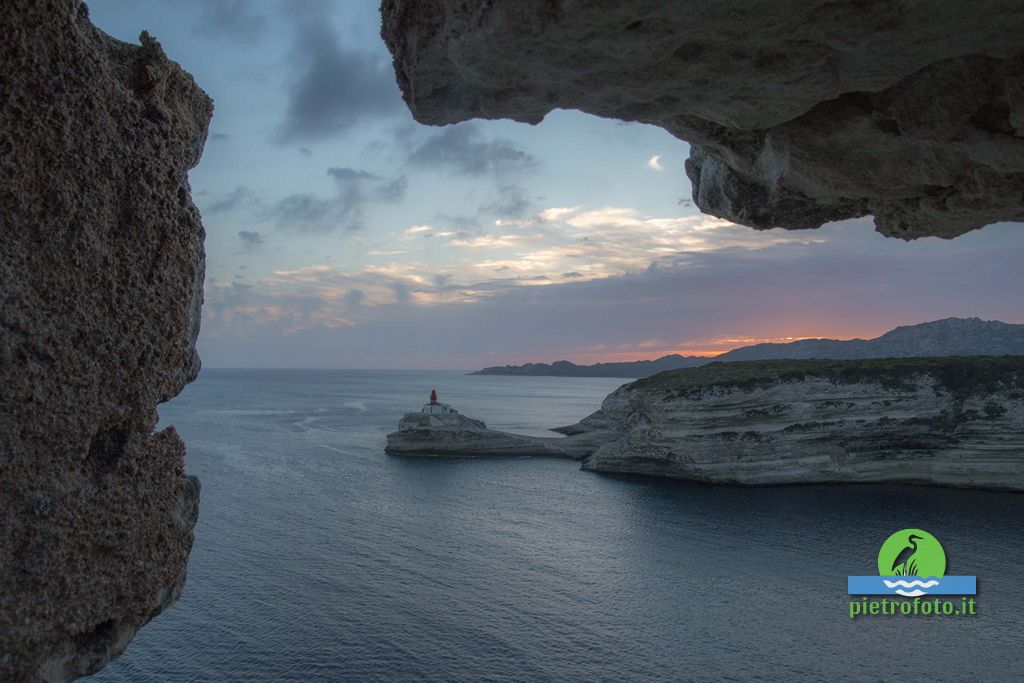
(912, 563)
(912, 553)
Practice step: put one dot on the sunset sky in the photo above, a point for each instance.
(340, 233)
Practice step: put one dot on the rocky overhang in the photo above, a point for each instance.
(797, 113)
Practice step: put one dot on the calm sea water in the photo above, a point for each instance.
(317, 557)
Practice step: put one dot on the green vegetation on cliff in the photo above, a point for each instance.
(961, 376)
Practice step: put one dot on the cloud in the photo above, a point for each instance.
(240, 196)
(334, 88)
(305, 151)
(301, 299)
(687, 301)
(346, 174)
(289, 302)
(589, 244)
(402, 292)
(462, 148)
(354, 297)
(393, 190)
(655, 163)
(414, 231)
(307, 213)
(250, 239)
(511, 202)
(232, 19)
(557, 213)
(354, 190)
(616, 216)
(461, 223)
(477, 267)
(489, 241)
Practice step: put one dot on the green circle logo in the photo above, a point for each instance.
(912, 552)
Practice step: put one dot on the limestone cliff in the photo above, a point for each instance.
(798, 113)
(101, 274)
(949, 421)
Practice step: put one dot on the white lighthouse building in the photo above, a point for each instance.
(436, 414)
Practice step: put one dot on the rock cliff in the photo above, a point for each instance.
(952, 421)
(798, 113)
(948, 421)
(101, 276)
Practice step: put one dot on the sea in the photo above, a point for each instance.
(319, 558)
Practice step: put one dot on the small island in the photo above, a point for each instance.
(438, 430)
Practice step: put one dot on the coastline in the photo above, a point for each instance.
(955, 422)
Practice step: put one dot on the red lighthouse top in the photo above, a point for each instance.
(433, 396)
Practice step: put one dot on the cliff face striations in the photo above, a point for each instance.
(949, 421)
(101, 280)
(797, 114)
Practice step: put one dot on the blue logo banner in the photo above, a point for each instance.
(911, 586)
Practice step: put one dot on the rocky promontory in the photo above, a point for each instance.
(459, 436)
(953, 421)
(947, 421)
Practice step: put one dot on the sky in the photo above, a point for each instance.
(343, 234)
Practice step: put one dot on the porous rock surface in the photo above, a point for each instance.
(798, 113)
(947, 421)
(101, 274)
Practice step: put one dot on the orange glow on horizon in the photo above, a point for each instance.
(707, 348)
(584, 358)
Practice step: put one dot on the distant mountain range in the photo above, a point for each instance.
(631, 369)
(949, 337)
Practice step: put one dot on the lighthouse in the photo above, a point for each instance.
(433, 414)
(435, 407)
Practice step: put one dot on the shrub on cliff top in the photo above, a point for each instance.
(960, 376)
